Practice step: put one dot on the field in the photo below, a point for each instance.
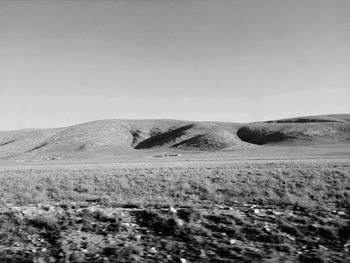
(294, 210)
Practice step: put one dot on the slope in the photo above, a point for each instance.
(119, 136)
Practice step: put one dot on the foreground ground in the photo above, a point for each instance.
(202, 211)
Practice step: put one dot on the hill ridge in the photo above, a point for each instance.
(118, 135)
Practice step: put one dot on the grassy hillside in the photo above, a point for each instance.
(319, 118)
(308, 132)
(129, 135)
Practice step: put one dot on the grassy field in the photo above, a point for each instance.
(308, 183)
(200, 211)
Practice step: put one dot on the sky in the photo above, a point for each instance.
(68, 62)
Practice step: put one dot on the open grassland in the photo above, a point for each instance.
(310, 183)
(256, 211)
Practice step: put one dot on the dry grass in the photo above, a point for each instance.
(259, 211)
(311, 185)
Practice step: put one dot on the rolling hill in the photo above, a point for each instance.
(132, 135)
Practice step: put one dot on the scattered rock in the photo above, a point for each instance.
(153, 250)
(233, 241)
(276, 213)
(89, 235)
(203, 255)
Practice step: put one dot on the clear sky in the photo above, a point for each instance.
(67, 62)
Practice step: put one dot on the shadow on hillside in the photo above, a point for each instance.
(161, 139)
(8, 142)
(261, 136)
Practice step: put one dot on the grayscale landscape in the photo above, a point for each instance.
(177, 191)
(174, 131)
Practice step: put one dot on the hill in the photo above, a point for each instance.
(320, 118)
(118, 136)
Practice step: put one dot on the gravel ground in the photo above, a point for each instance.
(88, 232)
